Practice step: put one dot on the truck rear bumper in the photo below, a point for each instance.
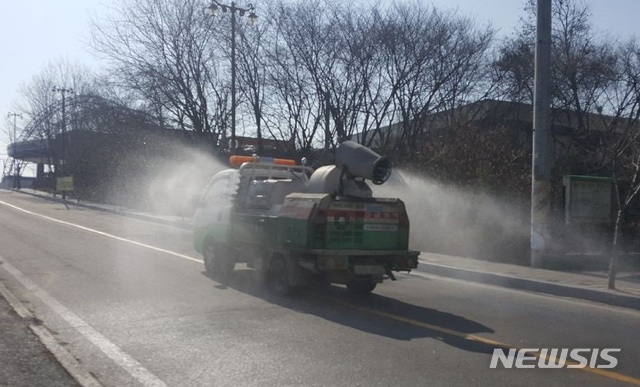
(370, 253)
(359, 262)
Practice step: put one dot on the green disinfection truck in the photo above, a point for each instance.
(295, 225)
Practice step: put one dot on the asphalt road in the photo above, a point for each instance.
(130, 300)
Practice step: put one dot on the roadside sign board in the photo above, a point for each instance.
(588, 200)
(64, 183)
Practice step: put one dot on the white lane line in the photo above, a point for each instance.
(107, 347)
(173, 253)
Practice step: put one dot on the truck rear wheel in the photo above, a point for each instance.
(359, 286)
(217, 260)
(278, 277)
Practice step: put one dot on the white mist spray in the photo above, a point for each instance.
(449, 220)
(174, 187)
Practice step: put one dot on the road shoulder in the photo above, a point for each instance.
(29, 354)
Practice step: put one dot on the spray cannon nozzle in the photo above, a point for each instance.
(359, 161)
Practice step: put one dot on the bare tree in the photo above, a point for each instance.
(307, 34)
(327, 52)
(165, 50)
(582, 68)
(349, 96)
(445, 66)
(253, 69)
(619, 144)
(294, 111)
(42, 106)
(366, 67)
(295, 105)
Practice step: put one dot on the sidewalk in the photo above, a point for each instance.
(590, 286)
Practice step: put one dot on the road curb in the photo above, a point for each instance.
(64, 357)
(606, 297)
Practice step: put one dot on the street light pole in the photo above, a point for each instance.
(14, 115)
(15, 168)
(213, 8)
(63, 91)
(233, 80)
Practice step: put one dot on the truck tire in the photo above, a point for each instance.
(278, 277)
(359, 286)
(217, 260)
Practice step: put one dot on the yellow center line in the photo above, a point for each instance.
(478, 339)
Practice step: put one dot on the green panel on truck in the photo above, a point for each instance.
(299, 210)
(254, 229)
(366, 225)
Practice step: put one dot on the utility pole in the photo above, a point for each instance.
(63, 92)
(15, 168)
(63, 159)
(327, 121)
(541, 160)
(233, 79)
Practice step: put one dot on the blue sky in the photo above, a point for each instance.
(34, 33)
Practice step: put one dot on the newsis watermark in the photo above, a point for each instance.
(555, 358)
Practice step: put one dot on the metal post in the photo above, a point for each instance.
(64, 143)
(64, 133)
(233, 77)
(15, 168)
(541, 161)
(215, 5)
(16, 175)
(327, 118)
(14, 124)
(63, 91)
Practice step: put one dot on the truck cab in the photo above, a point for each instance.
(237, 206)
